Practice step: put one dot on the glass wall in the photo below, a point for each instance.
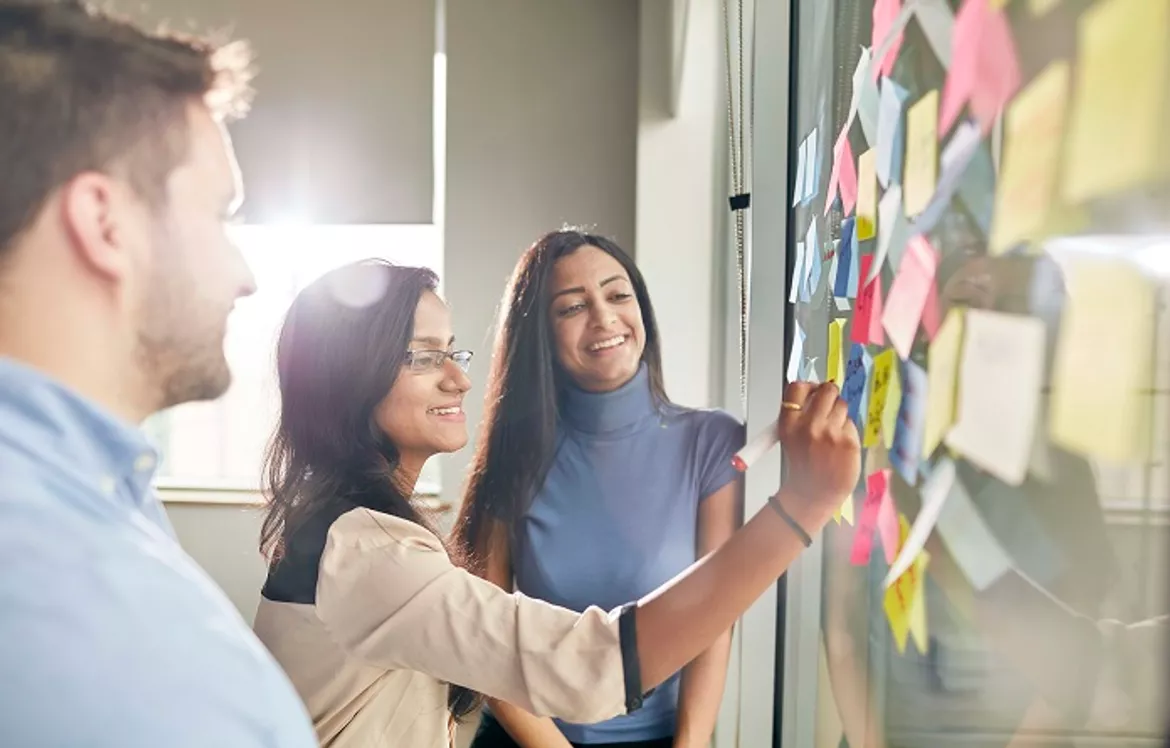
(978, 253)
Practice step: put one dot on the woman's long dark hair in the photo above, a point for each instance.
(343, 344)
(518, 433)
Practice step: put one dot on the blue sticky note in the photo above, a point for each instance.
(812, 167)
(856, 389)
(977, 188)
(853, 265)
(812, 246)
(797, 274)
(844, 260)
(891, 133)
(907, 448)
(797, 354)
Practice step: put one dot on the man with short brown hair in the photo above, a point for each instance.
(116, 281)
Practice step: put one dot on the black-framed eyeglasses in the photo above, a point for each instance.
(420, 361)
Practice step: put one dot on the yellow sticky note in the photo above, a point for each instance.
(905, 599)
(879, 388)
(1102, 374)
(845, 511)
(893, 403)
(921, 154)
(1033, 138)
(1041, 7)
(867, 201)
(997, 4)
(942, 362)
(836, 363)
(1121, 88)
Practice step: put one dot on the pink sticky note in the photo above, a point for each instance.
(843, 177)
(908, 295)
(984, 69)
(931, 314)
(867, 317)
(887, 522)
(876, 488)
(885, 12)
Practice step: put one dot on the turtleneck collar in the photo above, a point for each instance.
(626, 407)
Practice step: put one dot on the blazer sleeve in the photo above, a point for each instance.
(389, 594)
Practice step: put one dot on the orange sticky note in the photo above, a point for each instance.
(921, 154)
(867, 202)
(905, 599)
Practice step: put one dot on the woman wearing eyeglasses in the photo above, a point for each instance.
(385, 637)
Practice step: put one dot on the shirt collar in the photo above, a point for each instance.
(607, 412)
(63, 429)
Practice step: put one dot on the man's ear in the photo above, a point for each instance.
(97, 213)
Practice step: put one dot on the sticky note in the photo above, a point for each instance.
(797, 354)
(1034, 133)
(877, 486)
(891, 133)
(1042, 7)
(921, 153)
(911, 426)
(1102, 373)
(798, 273)
(893, 231)
(942, 362)
(846, 510)
(867, 327)
(937, 23)
(885, 13)
(843, 177)
(905, 601)
(977, 187)
(893, 403)
(812, 167)
(856, 387)
(879, 388)
(934, 492)
(908, 293)
(842, 288)
(813, 259)
(866, 196)
(865, 96)
(984, 72)
(1121, 88)
(966, 536)
(956, 157)
(835, 370)
(930, 313)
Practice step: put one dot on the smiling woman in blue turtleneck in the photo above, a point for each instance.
(589, 487)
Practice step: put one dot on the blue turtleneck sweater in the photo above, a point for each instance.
(617, 514)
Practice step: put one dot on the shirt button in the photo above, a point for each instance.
(144, 463)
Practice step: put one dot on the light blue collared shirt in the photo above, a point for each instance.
(110, 635)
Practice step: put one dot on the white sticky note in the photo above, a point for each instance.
(865, 96)
(969, 541)
(798, 183)
(891, 133)
(812, 165)
(934, 492)
(797, 274)
(1000, 375)
(797, 354)
(893, 232)
(937, 22)
(952, 166)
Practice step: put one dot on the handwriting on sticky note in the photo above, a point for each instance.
(921, 153)
(867, 200)
(1102, 377)
(935, 490)
(836, 361)
(866, 326)
(893, 404)
(879, 389)
(908, 295)
(905, 600)
(891, 134)
(911, 425)
(1118, 40)
(942, 362)
(1033, 135)
(876, 487)
(843, 177)
(856, 387)
(1000, 376)
(966, 536)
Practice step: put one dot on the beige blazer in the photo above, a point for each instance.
(371, 627)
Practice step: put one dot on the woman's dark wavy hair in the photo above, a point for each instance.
(518, 434)
(343, 344)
